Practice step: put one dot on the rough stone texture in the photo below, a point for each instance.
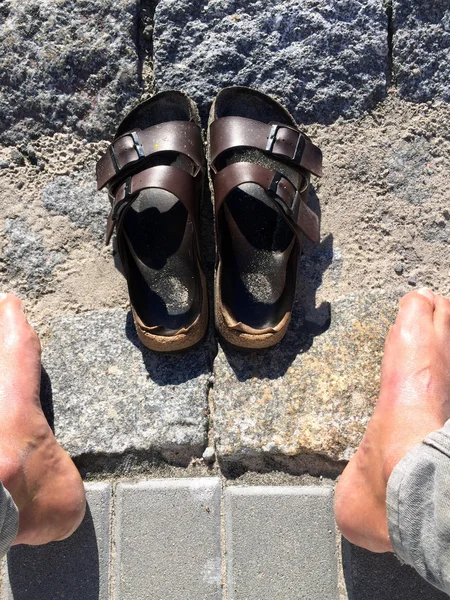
(28, 261)
(281, 543)
(308, 394)
(384, 200)
(77, 198)
(72, 569)
(168, 540)
(421, 49)
(383, 203)
(52, 224)
(385, 221)
(322, 59)
(111, 395)
(382, 577)
(66, 66)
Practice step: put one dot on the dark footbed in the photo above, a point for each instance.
(157, 240)
(258, 248)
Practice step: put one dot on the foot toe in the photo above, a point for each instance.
(415, 306)
(442, 316)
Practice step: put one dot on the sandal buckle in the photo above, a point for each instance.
(137, 147)
(127, 189)
(273, 191)
(272, 137)
(273, 187)
(114, 158)
(299, 147)
(121, 199)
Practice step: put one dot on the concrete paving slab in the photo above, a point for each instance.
(168, 540)
(112, 395)
(280, 544)
(74, 569)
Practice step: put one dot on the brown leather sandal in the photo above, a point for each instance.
(154, 172)
(260, 166)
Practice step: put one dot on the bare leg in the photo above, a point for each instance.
(39, 475)
(414, 401)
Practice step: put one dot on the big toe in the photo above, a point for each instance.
(416, 307)
(10, 307)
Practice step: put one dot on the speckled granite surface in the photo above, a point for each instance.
(311, 394)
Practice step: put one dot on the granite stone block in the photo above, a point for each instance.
(421, 49)
(66, 66)
(322, 59)
(111, 395)
(77, 198)
(26, 258)
(313, 393)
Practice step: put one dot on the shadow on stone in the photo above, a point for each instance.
(382, 577)
(68, 569)
(313, 465)
(307, 321)
(46, 397)
(144, 34)
(173, 369)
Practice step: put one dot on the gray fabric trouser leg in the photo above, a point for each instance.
(9, 520)
(418, 508)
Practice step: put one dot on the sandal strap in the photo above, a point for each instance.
(171, 179)
(275, 138)
(128, 149)
(286, 197)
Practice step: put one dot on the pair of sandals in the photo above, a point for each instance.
(259, 170)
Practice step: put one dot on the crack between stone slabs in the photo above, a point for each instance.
(144, 43)
(389, 8)
(316, 465)
(112, 545)
(223, 543)
(132, 463)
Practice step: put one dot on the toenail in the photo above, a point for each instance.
(427, 293)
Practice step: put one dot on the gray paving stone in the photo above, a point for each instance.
(313, 393)
(421, 49)
(168, 540)
(324, 59)
(280, 543)
(110, 395)
(66, 66)
(74, 569)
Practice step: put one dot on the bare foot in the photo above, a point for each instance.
(414, 401)
(39, 475)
